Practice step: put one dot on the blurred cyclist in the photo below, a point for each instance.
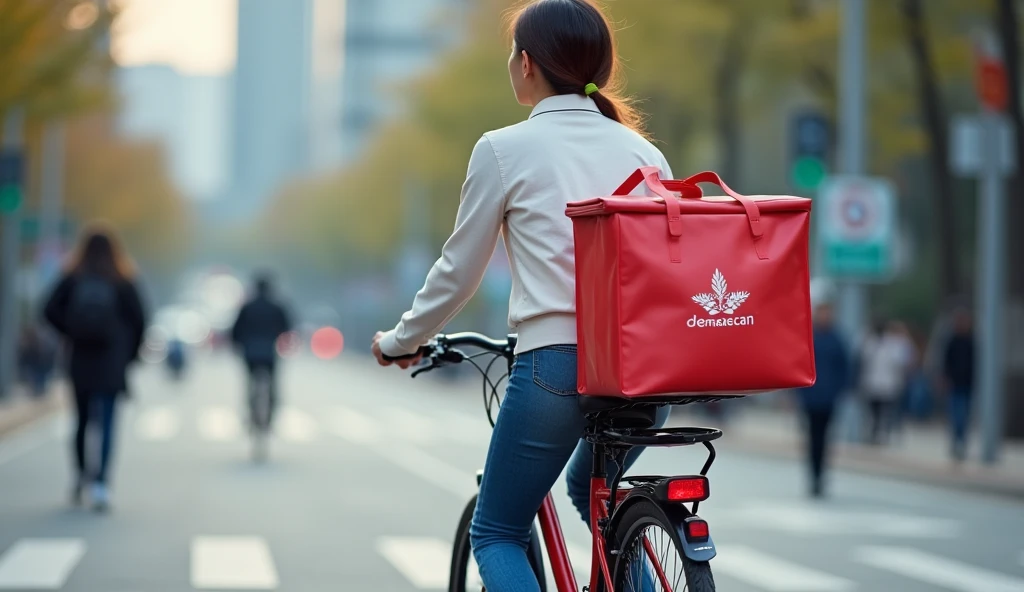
(261, 321)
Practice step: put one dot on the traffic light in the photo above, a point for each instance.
(11, 177)
(810, 143)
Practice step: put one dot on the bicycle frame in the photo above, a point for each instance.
(554, 541)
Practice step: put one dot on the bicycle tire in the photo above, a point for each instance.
(463, 550)
(635, 523)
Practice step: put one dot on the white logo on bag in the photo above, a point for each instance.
(720, 301)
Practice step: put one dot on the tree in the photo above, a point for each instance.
(52, 56)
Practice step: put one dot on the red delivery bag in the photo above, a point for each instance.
(707, 296)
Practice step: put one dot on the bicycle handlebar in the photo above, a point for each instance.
(442, 350)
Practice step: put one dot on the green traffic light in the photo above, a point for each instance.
(808, 173)
(10, 198)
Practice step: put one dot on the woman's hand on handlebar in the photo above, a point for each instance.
(403, 362)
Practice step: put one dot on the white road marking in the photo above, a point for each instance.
(220, 424)
(232, 563)
(423, 561)
(431, 469)
(943, 572)
(353, 426)
(32, 436)
(361, 430)
(39, 564)
(295, 425)
(466, 429)
(158, 424)
(410, 426)
(767, 572)
(821, 521)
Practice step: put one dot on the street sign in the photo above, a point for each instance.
(968, 149)
(810, 143)
(12, 173)
(857, 228)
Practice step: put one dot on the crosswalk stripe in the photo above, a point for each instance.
(158, 424)
(219, 424)
(295, 425)
(232, 563)
(939, 571)
(39, 564)
(411, 426)
(767, 572)
(466, 429)
(423, 561)
(353, 426)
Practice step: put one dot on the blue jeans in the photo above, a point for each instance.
(94, 408)
(539, 429)
(959, 416)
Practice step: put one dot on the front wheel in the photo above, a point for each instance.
(651, 558)
(465, 576)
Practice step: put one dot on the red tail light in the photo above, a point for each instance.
(697, 530)
(688, 489)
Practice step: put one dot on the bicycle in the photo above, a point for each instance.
(260, 409)
(625, 555)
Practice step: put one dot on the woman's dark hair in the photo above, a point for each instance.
(572, 44)
(99, 252)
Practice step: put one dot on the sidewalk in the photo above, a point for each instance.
(917, 453)
(18, 408)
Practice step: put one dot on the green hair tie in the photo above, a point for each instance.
(590, 89)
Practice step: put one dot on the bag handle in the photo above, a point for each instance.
(753, 212)
(652, 176)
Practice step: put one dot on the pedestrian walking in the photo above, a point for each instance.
(958, 374)
(819, 402)
(886, 359)
(97, 309)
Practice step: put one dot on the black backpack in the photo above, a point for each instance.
(92, 311)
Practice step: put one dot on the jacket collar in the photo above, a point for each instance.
(572, 102)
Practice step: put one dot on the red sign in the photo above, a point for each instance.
(992, 87)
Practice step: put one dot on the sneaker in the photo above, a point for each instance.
(100, 497)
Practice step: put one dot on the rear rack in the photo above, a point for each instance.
(658, 436)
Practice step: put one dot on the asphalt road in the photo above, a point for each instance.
(368, 475)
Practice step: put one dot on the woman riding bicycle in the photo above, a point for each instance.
(580, 141)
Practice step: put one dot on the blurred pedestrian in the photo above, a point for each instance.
(819, 402)
(260, 323)
(886, 359)
(175, 357)
(35, 359)
(958, 374)
(97, 309)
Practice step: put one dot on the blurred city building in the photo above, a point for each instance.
(387, 43)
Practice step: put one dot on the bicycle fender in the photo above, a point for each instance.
(674, 513)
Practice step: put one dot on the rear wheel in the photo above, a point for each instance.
(651, 558)
(465, 575)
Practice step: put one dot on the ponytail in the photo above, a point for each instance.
(571, 42)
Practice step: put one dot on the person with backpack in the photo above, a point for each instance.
(97, 309)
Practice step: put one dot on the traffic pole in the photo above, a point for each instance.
(9, 264)
(852, 304)
(991, 292)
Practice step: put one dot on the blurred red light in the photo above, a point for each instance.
(327, 343)
(689, 489)
(288, 344)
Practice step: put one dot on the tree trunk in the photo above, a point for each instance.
(1006, 24)
(727, 92)
(930, 99)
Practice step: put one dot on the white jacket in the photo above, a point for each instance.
(519, 181)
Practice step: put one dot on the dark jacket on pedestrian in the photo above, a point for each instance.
(260, 322)
(832, 361)
(99, 366)
(958, 363)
